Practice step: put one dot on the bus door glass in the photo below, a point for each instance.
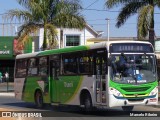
(100, 70)
(54, 80)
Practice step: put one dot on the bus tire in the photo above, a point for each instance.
(88, 103)
(127, 108)
(39, 99)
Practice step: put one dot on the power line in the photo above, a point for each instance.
(96, 20)
(92, 4)
(2, 13)
(99, 19)
(99, 10)
(89, 5)
(9, 23)
(102, 24)
(108, 10)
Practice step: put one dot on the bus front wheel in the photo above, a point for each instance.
(127, 108)
(39, 99)
(87, 103)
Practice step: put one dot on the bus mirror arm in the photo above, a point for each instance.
(109, 62)
(156, 60)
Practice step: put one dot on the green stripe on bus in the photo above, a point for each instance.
(76, 91)
(63, 50)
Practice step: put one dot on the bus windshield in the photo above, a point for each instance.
(133, 68)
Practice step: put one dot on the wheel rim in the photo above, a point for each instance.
(88, 104)
(39, 99)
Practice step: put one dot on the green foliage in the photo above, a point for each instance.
(47, 14)
(144, 21)
(144, 8)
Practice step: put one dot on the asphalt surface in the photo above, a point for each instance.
(9, 103)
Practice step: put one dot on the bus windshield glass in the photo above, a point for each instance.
(133, 68)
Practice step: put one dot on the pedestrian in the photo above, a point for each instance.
(6, 76)
(0, 77)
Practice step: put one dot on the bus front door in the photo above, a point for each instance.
(100, 69)
(54, 81)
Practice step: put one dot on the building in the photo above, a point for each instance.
(8, 45)
(8, 51)
(102, 39)
(71, 37)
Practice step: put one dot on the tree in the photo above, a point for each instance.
(47, 14)
(145, 10)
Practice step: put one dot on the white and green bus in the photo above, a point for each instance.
(117, 73)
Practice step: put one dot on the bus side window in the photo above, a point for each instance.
(70, 64)
(32, 67)
(85, 63)
(21, 68)
(43, 66)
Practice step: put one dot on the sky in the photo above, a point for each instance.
(95, 14)
(97, 20)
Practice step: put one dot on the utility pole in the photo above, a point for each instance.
(107, 33)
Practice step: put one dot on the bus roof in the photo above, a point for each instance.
(146, 42)
(74, 49)
(27, 55)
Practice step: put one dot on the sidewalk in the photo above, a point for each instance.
(157, 106)
(9, 94)
(5, 110)
(6, 118)
(3, 87)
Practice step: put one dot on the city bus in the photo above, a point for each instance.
(89, 76)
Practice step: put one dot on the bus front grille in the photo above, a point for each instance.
(135, 95)
(135, 89)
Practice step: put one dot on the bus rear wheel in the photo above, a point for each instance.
(127, 108)
(39, 99)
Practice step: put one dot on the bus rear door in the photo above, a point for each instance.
(54, 81)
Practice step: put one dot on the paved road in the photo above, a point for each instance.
(7, 101)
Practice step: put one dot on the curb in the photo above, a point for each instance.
(7, 94)
(156, 106)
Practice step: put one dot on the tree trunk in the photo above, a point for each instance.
(151, 28)
(151, 37)
(61, 38)
(44, 40)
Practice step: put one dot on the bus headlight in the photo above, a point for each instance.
(154, 91)
(115, 92)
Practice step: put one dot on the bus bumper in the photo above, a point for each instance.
(121, 101)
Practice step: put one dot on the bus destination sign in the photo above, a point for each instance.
(128, 47)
